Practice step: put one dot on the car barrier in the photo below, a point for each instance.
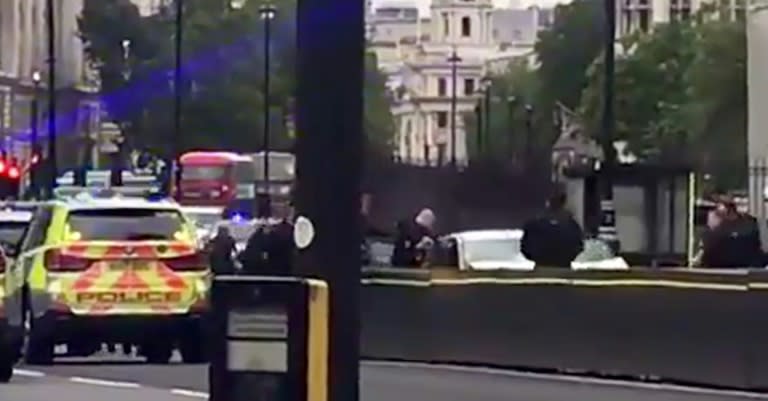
(691, 326)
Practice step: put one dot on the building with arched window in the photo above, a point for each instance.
(416, 53)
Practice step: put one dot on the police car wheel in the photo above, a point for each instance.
(6, 370)
(39, 350)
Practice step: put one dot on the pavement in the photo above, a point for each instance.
(124, 380)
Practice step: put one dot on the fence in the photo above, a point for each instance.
(701, 327)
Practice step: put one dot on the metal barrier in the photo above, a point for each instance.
(270, 339)
(690, 326)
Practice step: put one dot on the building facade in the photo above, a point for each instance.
(417, 54)
(642, 15)
(24, 44)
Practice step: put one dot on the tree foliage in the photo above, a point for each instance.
(223, 71)
(567, 49)
(681, 95)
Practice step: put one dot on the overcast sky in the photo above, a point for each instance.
(424, 4)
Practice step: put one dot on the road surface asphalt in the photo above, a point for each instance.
(122, 380)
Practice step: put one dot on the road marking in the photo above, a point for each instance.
(105, 383)
(28, 373)
(571, 379)
(189, 393)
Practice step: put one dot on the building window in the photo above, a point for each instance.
(442, 119)
(469, 86)
(446, 25)
(644, 18)
(442, 87)
(466, 27)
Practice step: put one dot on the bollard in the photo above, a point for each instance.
(270, 339)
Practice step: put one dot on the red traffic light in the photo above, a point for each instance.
(2, 166)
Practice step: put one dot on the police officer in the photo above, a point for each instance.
(555, 238)
(280, 245)
(222, 247)
(735, 242)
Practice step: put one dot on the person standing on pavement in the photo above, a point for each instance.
(423, 236)
(222, 249)
(280, 245)
(735, 242)
(555, 238)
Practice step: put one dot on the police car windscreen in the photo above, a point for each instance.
(12, 232)
(203, 173)
(125, 224)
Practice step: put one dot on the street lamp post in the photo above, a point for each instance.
(267, 13)
(51, 25)
(174, 166)
(528, 135)
(116, 176)
(479, 129)
(607, 228)
(454, 60)
(34, 116)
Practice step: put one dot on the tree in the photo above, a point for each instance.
(223, 74)
(650, 90)
(566, 50)
(717, 112)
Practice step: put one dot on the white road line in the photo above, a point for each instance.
(105, 383)
(189, 393)
(28, 373)
(571, 379)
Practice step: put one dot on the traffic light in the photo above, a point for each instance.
(10, 177)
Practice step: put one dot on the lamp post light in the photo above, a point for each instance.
(267, 13)
(454, 60)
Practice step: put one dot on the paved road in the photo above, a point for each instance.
(124, 381)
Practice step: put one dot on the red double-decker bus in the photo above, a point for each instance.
(223, 179)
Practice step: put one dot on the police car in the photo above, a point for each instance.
(110, 269)
(14, 221)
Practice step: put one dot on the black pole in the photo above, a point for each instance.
(34, 117)
(479, 134)
(34, 168)
(52, 167)
(528, 135)
(487, 118)
(329, 162)
(607, 229)
(454, 60)
(267, 13)
(175, 172)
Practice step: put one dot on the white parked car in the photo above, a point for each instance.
(500, 250)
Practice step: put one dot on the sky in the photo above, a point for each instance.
(424, 4)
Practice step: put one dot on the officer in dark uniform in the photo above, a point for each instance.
(280, 246)
(221, 249)
(555, 238)
(735, 242)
